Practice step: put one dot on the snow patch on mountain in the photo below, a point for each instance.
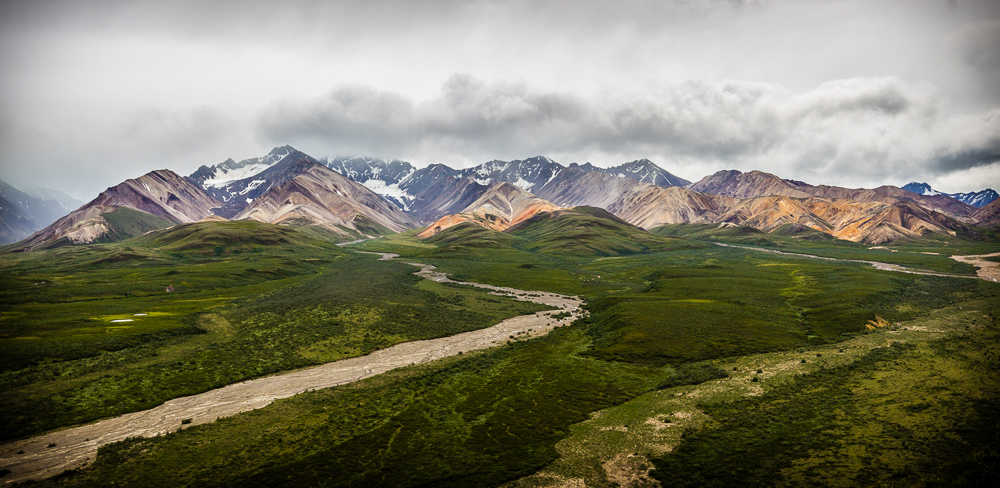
(977, 199)
(230, 171)
(920, 189)
(252, 186)
(225, 176)
(523, 183)
(391, 192)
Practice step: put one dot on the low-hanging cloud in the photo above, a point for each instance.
(175, 132)
(867, 128)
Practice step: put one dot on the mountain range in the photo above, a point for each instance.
(363, 197)
(27, 209)
(976, 199)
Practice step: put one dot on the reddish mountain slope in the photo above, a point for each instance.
(502, 206)
(988, 215)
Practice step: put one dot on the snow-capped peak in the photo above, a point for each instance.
(229, 171)
(920, 188)
(976, 199)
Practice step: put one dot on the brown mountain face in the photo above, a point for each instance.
(759, 184)
(897, 221)
(653, 206)
(988, 214)
(869, 222)
(755, 199)
(163, 195)
(574, 187)
(732, 183)
(772, 212)
(501, 206)
(890, 195)
(320, 196)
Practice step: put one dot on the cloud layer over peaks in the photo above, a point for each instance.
(853, 130)
(859, 92)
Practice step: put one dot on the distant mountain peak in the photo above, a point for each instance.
(976, 199)
(25, 209)
(229, 171)
(159, 198)
(920, 188)
(646, 171)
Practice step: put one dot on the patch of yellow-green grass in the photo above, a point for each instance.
(134, 316)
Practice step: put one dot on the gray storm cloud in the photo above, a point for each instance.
(868, 127)
(853, 92)
(978, 43)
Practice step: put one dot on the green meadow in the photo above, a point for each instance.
(930, 252)
(90, 332)
(671, 316)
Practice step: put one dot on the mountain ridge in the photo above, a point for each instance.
(160, 197)
(23, 212)
(318, 195)
(389, 195)
(977, 199)
(502, 206)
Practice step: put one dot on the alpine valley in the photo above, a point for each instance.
(293, 321)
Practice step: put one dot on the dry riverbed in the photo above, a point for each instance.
(987, 270)
(52, 453)
(973, 260)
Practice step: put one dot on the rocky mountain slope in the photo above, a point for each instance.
(652, 206)
(404, 185)
(529, 174)
(578, 185)
(279, 166)
(645, 171)
(317, 195)
(736, 184)
(500, 207)
(447, 195)
(436, 190)
(381, 176)
(889, 195)
(872, 222)
(760, 184)
(156, 199)
(379, 195)
(217, 179)
(988, 215)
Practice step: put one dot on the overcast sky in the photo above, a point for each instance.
(853, 93)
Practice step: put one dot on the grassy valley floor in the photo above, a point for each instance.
(90, 333)
(913, 404)
(697, 365)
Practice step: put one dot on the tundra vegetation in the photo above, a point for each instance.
(696, 365)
